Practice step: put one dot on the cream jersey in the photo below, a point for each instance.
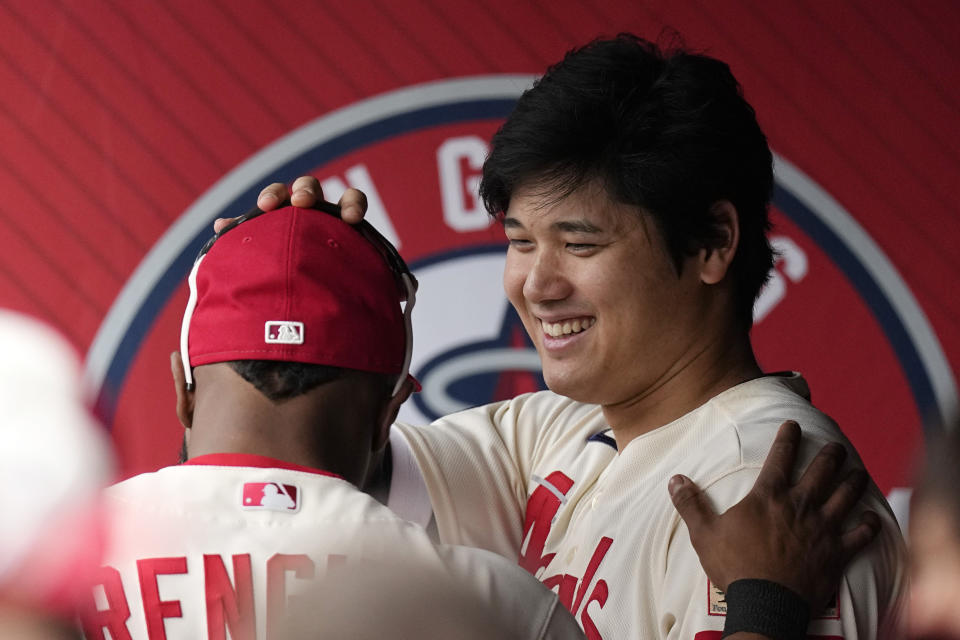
(539, 478)
(221, 544)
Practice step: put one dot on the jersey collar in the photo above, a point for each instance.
(252, 460)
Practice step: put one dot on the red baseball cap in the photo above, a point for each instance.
(298, 285)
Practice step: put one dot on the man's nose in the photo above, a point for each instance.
(546, 280)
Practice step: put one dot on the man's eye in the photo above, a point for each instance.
(520, 243)
(580, 247)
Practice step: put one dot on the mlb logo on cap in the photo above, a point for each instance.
(280, 332)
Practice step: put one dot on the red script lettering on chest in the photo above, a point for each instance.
(542, 508)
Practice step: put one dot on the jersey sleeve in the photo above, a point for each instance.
(408, 496)
(475, 465)
(869, 599)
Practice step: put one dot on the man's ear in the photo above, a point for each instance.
(185, 399)
(388, 414)
(716, 260)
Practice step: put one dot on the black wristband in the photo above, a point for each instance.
(766, 608)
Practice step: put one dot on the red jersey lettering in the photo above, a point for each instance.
(229, 606)
(568, 583)
(277, 567)
(155, 609)
(567, 588)
(599, 595)
(542, 506)
(592, 566)
(114, 617)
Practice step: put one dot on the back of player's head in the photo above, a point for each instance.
(659, 128)
(284, 380)
(292, 297)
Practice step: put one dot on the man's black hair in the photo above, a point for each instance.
(280, 381)
(663, 129)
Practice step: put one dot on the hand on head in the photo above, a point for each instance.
(789, 534)
(305, 192)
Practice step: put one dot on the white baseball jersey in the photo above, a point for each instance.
(539, 478)
(221, 543)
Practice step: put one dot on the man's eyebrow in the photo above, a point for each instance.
(569, 226)
(576, 226)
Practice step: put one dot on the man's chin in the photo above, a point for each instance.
(573, 387)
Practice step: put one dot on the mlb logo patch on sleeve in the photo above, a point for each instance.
(272, 496)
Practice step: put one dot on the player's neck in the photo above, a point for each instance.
(353, 471)
(304, 430)
(706, 372)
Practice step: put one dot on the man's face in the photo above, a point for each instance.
(598, 293)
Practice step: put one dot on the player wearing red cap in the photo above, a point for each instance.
(295, 350)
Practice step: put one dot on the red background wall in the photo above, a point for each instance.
(115, 117)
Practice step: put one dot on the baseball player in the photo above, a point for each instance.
(633, 184)
(293, 366)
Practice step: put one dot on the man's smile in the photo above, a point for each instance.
(567, 326)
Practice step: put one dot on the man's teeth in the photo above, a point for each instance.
(557, 329)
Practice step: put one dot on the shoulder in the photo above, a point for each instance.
(521, 433)
(772, 398)
(494, 574)
(232, 494)
(138, 485)
(754, 410)
(529, 609)
(539, 411)
(731, 435)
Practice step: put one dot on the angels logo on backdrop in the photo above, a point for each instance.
(486, 354)
(835, 309)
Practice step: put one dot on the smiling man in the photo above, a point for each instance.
(592, 281)
(633, 184)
